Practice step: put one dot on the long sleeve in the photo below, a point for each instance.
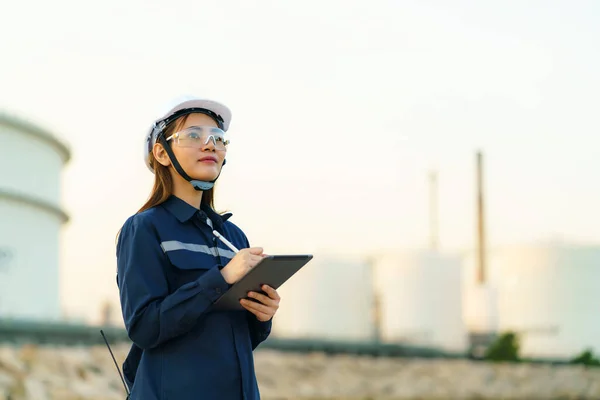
(259, 331)
(152, 315)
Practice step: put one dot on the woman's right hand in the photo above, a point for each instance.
(241, 263)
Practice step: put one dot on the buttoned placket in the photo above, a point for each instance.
(202, 222)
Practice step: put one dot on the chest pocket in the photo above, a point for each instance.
(188, 261)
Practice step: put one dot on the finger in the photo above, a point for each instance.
(256, 250)
(247, 307)
(271, 292)
(256, 306)
(259, 315)
(262, 298)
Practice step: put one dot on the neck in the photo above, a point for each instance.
(186, 192)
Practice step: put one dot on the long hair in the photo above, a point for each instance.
(163, 181)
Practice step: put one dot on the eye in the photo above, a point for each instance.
(193, 135)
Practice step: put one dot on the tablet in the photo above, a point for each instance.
(273, 270)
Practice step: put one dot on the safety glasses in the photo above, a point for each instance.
(200, 136)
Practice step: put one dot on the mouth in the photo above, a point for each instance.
(208, 160)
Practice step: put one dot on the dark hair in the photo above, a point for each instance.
(163, 181)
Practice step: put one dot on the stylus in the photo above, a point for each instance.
(227, 242)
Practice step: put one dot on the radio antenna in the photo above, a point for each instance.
(116, 365)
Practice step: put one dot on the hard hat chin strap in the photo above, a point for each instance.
(159, 129)
(197, 184)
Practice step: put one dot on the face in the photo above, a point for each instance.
(199, 158)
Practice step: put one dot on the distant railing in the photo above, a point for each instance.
(53, 333)
(18, 332)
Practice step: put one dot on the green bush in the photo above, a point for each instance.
(504, 348)
(586, 358)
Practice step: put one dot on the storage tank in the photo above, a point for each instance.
(30, 220)
(480, 300)
(550, 293)
(330, 298)
(420, 299)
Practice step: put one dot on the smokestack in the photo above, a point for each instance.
(480, 221)
(433, 211)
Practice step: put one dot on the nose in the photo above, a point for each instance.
(210, 144)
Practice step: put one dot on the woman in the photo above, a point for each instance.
(171, 268)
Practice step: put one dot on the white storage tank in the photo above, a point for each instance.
(330, 298)
(30, 220)
(480, 300)
(550, 293)
(421, 299)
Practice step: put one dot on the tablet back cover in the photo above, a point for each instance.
(273, 270)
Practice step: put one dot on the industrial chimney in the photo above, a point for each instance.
(481, 277)
(481, 309)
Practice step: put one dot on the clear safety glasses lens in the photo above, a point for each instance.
(200, 136)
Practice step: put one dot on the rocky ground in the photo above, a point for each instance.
(78, 373)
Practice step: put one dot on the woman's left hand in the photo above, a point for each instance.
(267, 306)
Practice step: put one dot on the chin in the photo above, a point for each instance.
(204, 175)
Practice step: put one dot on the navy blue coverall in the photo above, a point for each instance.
(168, 274)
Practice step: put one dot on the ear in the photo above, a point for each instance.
(161, 155)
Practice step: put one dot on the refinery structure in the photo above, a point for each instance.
(547, 293)
(30, 220)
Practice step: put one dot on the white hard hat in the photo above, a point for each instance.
(180, 106)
